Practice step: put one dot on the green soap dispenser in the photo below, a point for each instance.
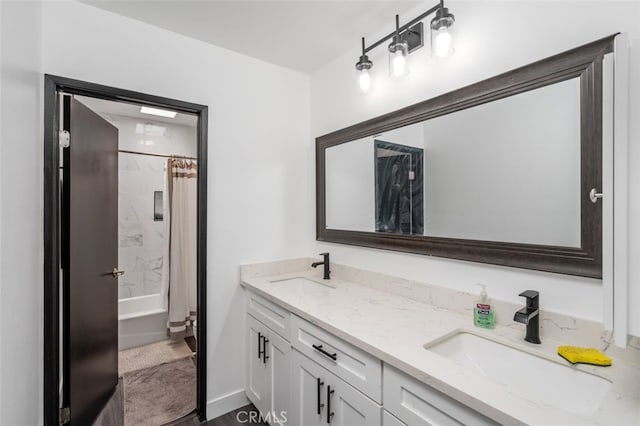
(482, 311)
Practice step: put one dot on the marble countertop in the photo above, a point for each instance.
(395, 328)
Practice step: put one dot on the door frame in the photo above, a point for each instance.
(52, 237)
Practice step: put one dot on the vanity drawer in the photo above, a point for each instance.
(415, 403)
(270, 314)
(353, 365)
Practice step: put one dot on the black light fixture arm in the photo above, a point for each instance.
(404, 27)
(397, 36)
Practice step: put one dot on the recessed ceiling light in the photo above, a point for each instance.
(160, 112)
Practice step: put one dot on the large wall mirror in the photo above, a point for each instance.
(499, 172)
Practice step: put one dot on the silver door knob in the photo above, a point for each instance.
(116, 272)
(594, 195)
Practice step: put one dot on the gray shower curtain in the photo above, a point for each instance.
(182, 188)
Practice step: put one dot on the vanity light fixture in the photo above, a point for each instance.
(407, 38)
(398, 52)
(363, 66)
(441, 38)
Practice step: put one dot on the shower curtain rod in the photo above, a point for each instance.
(157, 155)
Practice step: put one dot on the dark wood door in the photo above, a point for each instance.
(90, 204)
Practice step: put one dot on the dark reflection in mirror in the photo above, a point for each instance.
(398, 188)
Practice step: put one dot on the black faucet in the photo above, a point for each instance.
(530, 315)
(325, 262)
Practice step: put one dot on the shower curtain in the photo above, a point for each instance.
(182, 188)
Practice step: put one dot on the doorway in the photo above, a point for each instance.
(81, 329)
(399, 188)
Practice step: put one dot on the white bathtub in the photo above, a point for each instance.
(141, 320)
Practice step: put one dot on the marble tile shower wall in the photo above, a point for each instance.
(142, 248)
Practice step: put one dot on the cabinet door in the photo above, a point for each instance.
(329, 401)
(308, 387)
(278, 353)
(257, 369)
(415, 403)
(389, 420)
(349, 406)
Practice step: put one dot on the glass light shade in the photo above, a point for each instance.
(364, 80)
(442, 37)
(398, 52)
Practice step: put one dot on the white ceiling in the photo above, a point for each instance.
(299, 34)
(108, 108)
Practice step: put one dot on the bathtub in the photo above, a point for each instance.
(141, 320)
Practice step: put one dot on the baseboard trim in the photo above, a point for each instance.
(226, 403)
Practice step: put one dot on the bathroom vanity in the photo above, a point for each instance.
(368, 349)
(469, 175)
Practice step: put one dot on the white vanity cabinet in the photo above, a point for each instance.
(268, 380)
(321, 398)
(301, 375)
(414, 403)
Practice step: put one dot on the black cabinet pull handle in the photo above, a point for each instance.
(259, 345)
(265, 357)
(329, 412)
(319, 383)
(333, 356)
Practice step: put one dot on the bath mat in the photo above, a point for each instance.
(149, 355)
(160, 394)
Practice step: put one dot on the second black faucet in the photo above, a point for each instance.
(327, 271)
(530, 315)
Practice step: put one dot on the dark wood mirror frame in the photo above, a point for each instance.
(584, 62)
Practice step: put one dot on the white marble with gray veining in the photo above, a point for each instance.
(393, 318)
(142, 241)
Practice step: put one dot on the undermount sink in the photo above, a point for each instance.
(303, 284)
(527, 375)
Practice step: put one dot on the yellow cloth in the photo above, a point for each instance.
(576, 354)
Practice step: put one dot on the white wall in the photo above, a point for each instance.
(527, 31)
(1, 226)
(21, 221)
(634, 180)
(258, 125)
